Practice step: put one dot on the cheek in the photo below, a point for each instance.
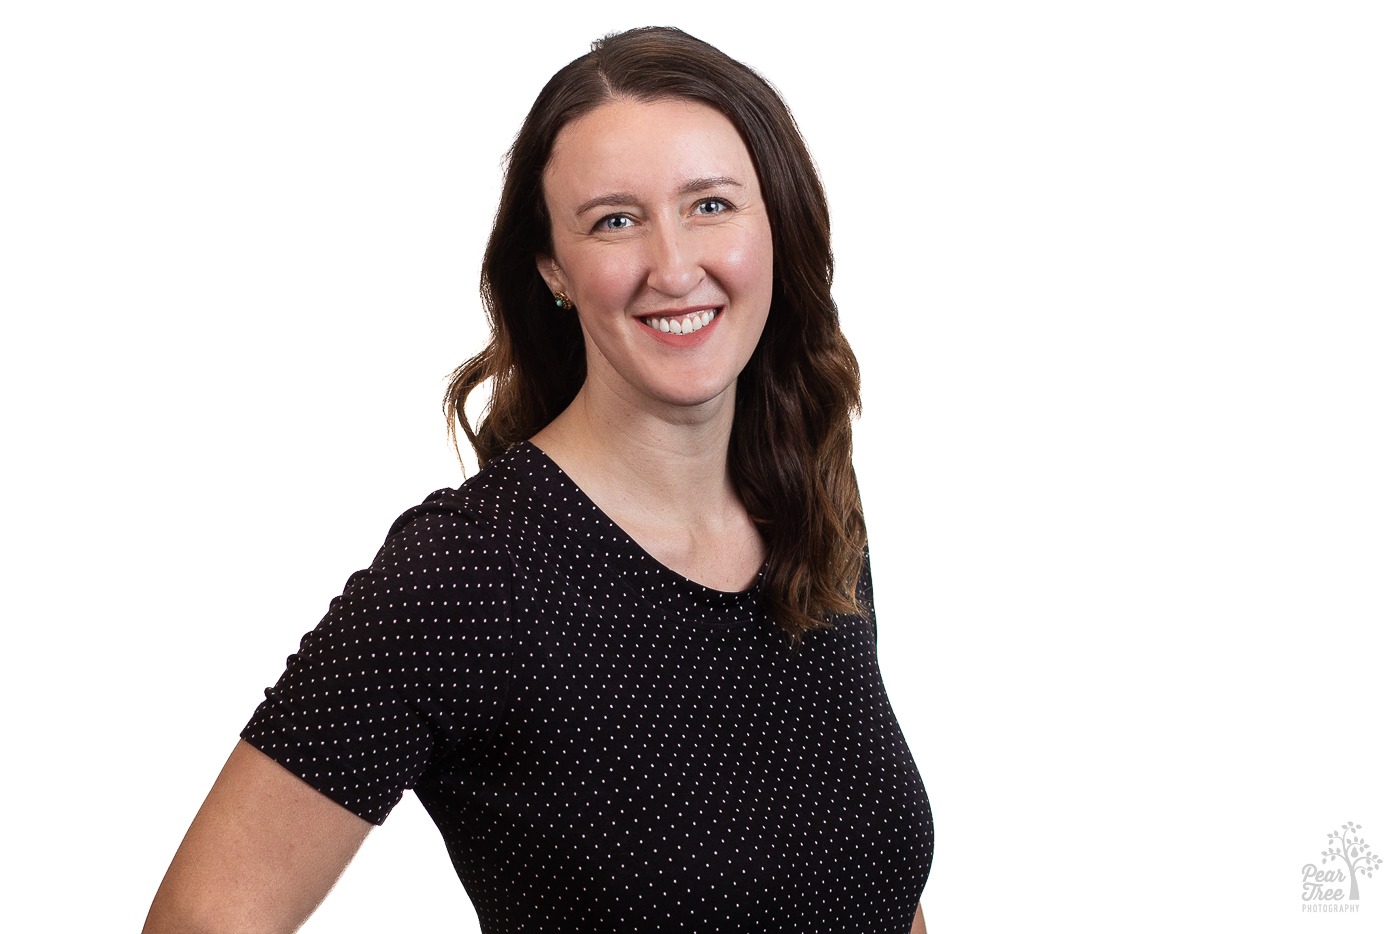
(749, 263)
(609, 276)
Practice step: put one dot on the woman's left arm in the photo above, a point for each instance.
(918, 927)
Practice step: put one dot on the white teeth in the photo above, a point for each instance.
(688, 324)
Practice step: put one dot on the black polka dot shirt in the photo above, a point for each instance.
(604, 744)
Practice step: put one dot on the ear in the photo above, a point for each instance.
(551, 273)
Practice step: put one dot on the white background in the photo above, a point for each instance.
(1124, 281)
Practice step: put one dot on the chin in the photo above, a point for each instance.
(691, 396)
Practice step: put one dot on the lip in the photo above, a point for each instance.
(694, 338)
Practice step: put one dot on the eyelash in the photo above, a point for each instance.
(603, 222)
(720, 201)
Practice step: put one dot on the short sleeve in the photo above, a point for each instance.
(406, 670)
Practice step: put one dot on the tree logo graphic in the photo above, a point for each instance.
(1348, 847)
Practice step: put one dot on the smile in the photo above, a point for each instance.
(685, 324)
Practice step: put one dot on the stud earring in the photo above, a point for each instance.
(561, 300)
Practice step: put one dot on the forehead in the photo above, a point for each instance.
(628, 144)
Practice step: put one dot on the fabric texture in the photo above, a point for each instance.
(604, 744)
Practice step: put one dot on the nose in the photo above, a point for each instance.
(675, 266)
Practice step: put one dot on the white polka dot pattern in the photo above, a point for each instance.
(605, 745)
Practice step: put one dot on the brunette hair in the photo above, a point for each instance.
(790, 450)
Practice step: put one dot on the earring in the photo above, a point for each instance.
(562, 301)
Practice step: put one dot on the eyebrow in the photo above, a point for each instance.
(623, 198)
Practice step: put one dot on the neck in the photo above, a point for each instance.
(654, 463)
(661, 473)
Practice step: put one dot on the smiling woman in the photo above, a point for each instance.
(629, 667)
(661, 240)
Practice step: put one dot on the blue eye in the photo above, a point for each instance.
(614, 222)
(711, 206)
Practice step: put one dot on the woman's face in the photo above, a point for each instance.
(661, 240)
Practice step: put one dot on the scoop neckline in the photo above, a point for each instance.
(640, 554)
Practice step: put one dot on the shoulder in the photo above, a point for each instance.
(478, 515)
(446, 565)
(491, 501)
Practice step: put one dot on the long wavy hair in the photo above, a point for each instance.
(790, 449)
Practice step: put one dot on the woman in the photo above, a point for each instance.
(629, 666)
